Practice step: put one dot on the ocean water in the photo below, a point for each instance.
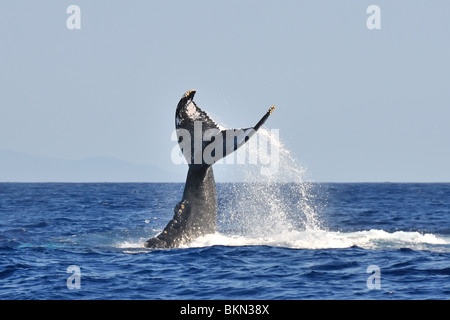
(274, 241)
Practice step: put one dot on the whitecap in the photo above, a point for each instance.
(322, 239)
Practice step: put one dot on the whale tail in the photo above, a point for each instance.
(203, 143)
(201, 140)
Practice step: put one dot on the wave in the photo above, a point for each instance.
(321, 239)
(316, 239)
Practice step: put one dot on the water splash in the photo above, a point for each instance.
(269, 201)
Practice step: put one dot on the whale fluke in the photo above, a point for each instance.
(203, 143)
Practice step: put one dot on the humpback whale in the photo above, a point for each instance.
(202, 143)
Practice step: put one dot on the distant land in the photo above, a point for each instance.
(21, 167)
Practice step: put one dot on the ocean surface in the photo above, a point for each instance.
(274, 241)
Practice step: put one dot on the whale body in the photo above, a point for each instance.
(203, 143)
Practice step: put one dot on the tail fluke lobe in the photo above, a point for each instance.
(235, 138)
(200, 138)
(264, 118)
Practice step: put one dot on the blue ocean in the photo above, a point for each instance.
(283, 241)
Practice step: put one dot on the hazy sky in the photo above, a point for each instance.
(353, 104)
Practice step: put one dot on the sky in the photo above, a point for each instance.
(354, 104)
